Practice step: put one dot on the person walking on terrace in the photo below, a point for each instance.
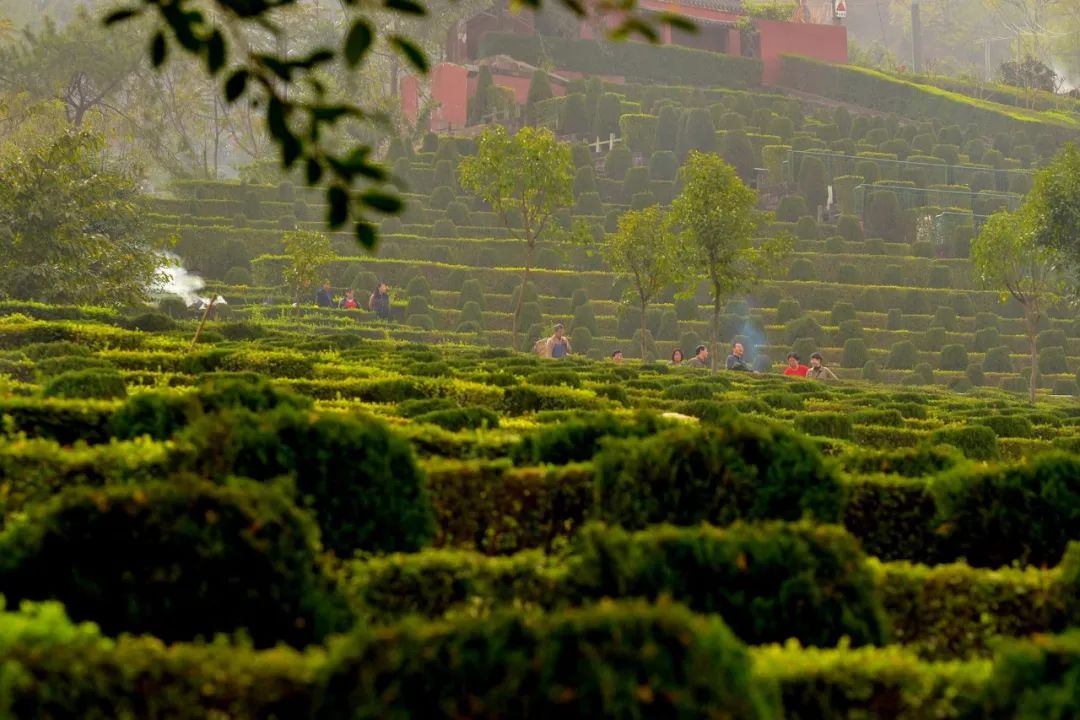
(676, 357)
(555, 347)
(379, 302)
(818, 371)
(324, 297)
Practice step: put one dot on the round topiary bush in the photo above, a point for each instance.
(997, 359)
(849, 329)
(471, 312)
(841, 311)
(417, 305)
(715, 474)
(472, 291)
(802, 269)
(953, 357)
(804, 327)
(581, 339)
(444, 228)
(441, 197)
(945, 316)
(1052, 361)
(894, 319)
(176, 560)
(90, 384)
(418, 287)
(788, 309)
(902, 356)
(806, 228)
(849, 227)
(420, 320)
(934, 338)
(855, 353)
(940, 276)
(152, 322)
(791, 208)
(235, 275)
(987, 338)
(360, 480)
(458, 212)
(617, 162)
(871, 371)
(663, 166)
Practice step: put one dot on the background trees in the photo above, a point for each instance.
(1007, 256)
(645, 251)
(525, 178)
(71, 229)
(717, 216)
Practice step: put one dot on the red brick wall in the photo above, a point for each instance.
(824, 42)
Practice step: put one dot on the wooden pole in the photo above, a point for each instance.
(198, 330)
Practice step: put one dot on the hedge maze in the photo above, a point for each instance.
(411, 519)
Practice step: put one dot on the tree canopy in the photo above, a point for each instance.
(644, 250)
(71, 228)
(525, 178)
(717, 215)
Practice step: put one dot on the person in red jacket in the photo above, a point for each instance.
(794, 367)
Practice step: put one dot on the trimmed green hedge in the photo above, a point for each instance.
(769, 581)
(879, 91)
(176, 559)
(665, 63)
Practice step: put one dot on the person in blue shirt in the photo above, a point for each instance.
(324, 297)
(557, 346)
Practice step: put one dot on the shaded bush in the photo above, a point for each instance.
(194, 560)
(360, 479)
(715, 474)
(772, 581)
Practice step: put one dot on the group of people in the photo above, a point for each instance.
(558, 345)
(378, 302)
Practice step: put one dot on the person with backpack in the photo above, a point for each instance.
(555, 347)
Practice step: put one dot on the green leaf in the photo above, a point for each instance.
(408, 7)
(366, 235)
(121, 14)
(337, 202)
(357, 43)
(291, 148)
(412, 53)
(215, 52)
(381, 201)
(313, 171)
(158, 49)
(235, 85)
(275, 119)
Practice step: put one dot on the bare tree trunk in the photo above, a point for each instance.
(644, 307)
(521, 294)
(1032, 328)
(714, 352)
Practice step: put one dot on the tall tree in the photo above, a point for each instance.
(1053, 208)
(71, 230)
(718, 218)
(80, 63)
(524, 177)
(1007, 256)
(308, 252)
(644, 250)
